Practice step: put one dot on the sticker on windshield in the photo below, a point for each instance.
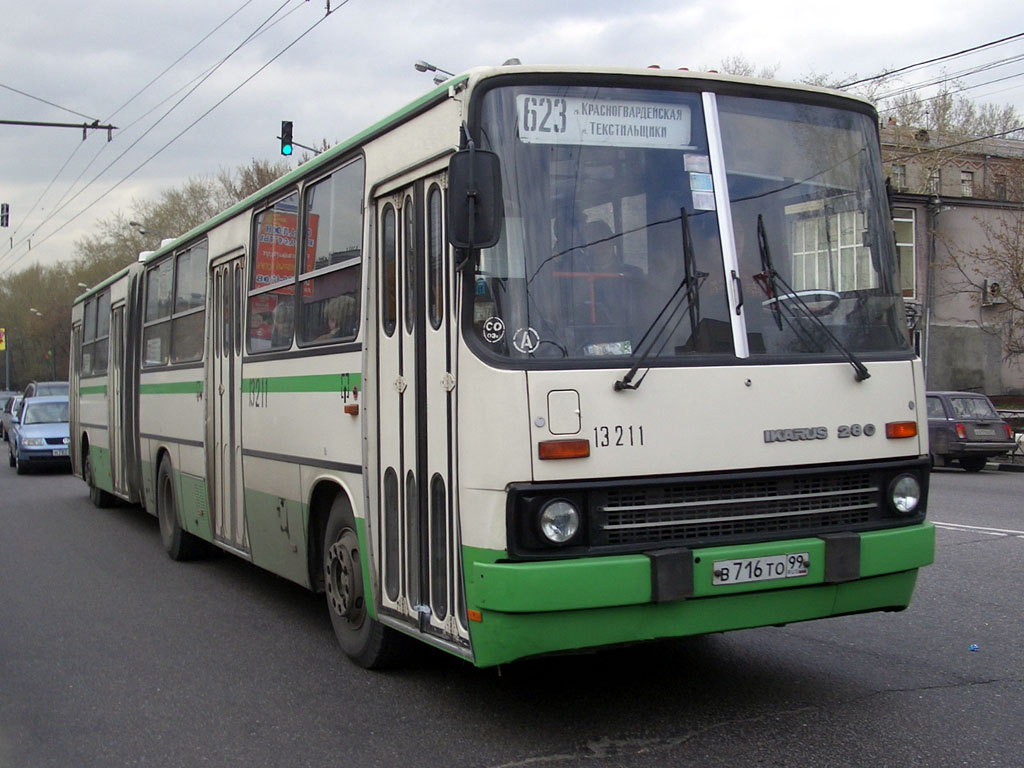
(701, 182)
(494, 330)
(697, 163)
(602, 122)
(525, 340)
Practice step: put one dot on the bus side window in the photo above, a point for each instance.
(272, 290)
(331, 274)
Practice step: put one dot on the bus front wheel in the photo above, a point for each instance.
(366, 641)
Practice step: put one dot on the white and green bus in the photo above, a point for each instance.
(550, 359)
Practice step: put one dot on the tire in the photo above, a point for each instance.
(10, 457)
(19, 465)
(97, 495)
(366, 641)
(973, 463)
(178, 543)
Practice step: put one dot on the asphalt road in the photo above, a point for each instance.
(113, 655)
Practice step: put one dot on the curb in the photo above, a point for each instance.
(1001, 467)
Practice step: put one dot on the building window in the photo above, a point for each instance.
(1000, 187)
(899, 177)
(934, 182)
(828, 250)
(903, 225)
(966, 184)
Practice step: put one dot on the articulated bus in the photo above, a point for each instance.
(550, 359)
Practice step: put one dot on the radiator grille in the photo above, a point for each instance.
(733, 509)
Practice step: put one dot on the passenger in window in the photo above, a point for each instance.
(340, 315)
(283, 324)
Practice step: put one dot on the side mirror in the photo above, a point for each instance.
(474, 199)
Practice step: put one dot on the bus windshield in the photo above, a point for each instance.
(614, 212)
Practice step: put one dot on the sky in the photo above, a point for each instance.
(151, 70)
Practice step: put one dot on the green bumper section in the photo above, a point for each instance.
(534, 608)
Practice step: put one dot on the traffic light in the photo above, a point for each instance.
(286, 137)
(5, 213)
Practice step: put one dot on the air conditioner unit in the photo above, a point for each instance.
(992, 293)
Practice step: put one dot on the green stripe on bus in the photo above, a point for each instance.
(325, 382)
(172, 388)
(100, 389)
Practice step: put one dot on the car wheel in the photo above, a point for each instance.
(19, 465)
(973, 463)
(10, 458)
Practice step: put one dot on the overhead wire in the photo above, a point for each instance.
(908, 67)
(27, 217)
(50, 103)
(62, 204)
(188, 127)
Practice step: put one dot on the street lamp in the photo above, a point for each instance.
(424, 66)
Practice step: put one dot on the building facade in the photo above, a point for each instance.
(951, 199)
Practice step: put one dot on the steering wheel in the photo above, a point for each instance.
(818, 301)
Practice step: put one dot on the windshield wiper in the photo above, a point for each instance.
(685, 297)
(769, 280)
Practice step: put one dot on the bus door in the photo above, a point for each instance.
(115, 401)
(417, 538)
(224, 444)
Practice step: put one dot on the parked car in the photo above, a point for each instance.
(41, 388)
(39, 434)
(5, 399)
(10, 411)
(965, 426)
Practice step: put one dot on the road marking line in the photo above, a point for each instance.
(980, 529)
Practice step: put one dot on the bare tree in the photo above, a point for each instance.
(993, 272)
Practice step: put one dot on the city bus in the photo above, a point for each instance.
(551, 359)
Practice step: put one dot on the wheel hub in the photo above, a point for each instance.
(344, 588)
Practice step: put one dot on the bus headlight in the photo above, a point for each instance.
(905, 493)
(559, 521)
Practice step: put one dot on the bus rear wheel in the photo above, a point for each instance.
(366, 641)
(179, 543)
(97, 495)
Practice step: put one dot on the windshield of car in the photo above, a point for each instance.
(45, 413)
(973, 408)
(612, 242)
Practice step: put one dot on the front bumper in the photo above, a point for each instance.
(534, 608)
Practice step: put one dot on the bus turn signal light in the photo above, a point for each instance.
(895, 430)
(563, 449)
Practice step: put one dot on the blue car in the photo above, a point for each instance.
(39, 434)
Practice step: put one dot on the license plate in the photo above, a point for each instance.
(60, 452)
(769, 568)
(983, 431)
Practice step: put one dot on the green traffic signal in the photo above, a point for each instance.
(286, 137)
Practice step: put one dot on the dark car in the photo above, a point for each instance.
(43, 388)
(965, 426)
